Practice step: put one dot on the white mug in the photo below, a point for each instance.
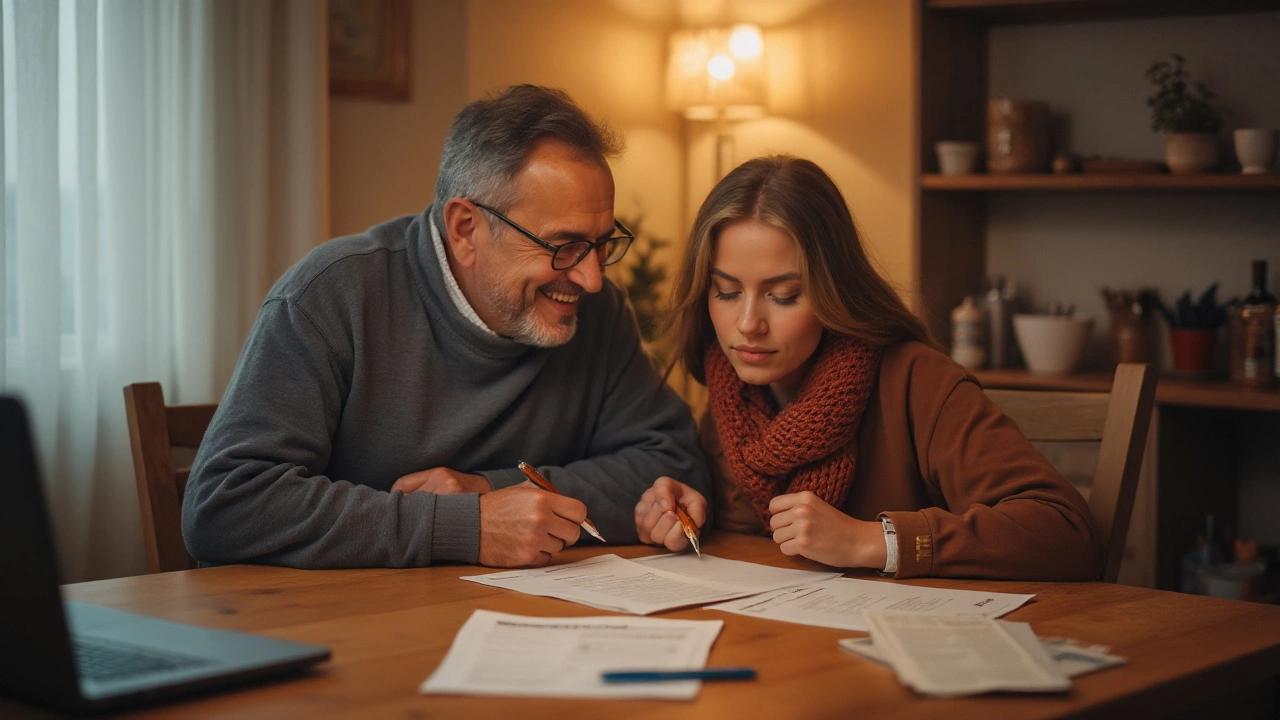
(1255, 149)
(957, 157)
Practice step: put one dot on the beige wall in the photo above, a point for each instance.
(842, 71)
(385, 154)
(841, 95)
(610, 57)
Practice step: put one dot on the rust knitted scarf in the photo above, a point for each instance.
(809, 444)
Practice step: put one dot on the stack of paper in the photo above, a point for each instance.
(948, 655)
(1071, 657)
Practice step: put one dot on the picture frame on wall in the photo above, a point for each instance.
(369, 49)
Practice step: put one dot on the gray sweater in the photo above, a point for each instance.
(360, 369)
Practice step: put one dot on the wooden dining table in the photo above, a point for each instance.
(390, 628)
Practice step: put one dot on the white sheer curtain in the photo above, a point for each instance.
(164, 161)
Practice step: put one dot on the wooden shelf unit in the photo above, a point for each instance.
(1200, 425)
(1099, 181)
(952, 53)
(1219, 394)
(1003, 12)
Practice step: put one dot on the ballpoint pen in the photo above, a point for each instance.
(723, 673)
(536, 478)
(690, 529)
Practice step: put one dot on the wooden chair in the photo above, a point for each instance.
(164, 440)
(1118, 421)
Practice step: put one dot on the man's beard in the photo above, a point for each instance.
(522, 322)
(531, 330)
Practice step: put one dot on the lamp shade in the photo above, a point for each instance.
(717, 70)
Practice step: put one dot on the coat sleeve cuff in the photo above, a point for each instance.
(915, 544)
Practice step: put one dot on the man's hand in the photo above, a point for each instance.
(804, 524)
(656, 521)
(442, 481)
(524, 526)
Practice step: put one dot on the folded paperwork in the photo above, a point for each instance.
(1071, 657)
(951, 655)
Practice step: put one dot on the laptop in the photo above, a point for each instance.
(81, 657)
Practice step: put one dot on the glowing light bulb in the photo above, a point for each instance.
(720, 66)
(745, 42)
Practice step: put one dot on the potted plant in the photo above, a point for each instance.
(1193, 330)
(1185, 113)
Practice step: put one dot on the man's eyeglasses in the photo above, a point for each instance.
(610, 249)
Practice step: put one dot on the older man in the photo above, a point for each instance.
(395, 379)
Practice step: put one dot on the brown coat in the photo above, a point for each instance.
(967, 494)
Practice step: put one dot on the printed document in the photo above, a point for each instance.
(649, 585)
(502, 654)
(839, 603)
(1071, 657)
(949, 655)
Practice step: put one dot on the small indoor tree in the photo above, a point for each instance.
(1185, 111)
(1178, 105)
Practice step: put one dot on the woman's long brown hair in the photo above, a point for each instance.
(795, 196)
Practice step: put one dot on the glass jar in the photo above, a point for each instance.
(1253, 344)
(1017, 136)
(1253, 335)
(1129, 339)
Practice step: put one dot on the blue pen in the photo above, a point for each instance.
(724, 673)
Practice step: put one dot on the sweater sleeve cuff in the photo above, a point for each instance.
(915, 544)
(455, 529)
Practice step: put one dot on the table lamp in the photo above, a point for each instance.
(717, 74)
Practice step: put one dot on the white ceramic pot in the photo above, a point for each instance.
(1255, 149)
(1189, 153)
(956, 157)
(1052, 344)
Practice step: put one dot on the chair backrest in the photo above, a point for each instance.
(164, 440)
(1118, 421)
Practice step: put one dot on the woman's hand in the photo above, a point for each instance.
(804, 524)
(656, 521)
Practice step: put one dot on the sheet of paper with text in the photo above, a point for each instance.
(839, 603)
(651, 584)
(503, 654)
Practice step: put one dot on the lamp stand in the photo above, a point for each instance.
(724, 146)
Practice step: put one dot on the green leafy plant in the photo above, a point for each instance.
(643, 276)
(1178, 106)
(1205, 313)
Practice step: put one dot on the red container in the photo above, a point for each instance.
(1193, 349)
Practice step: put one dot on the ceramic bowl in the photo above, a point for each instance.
(1052, 344)
(956, 157)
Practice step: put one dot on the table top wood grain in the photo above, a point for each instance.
(389, 629)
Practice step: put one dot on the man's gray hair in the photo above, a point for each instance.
(490, 140)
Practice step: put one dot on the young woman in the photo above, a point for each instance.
(834, 424)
